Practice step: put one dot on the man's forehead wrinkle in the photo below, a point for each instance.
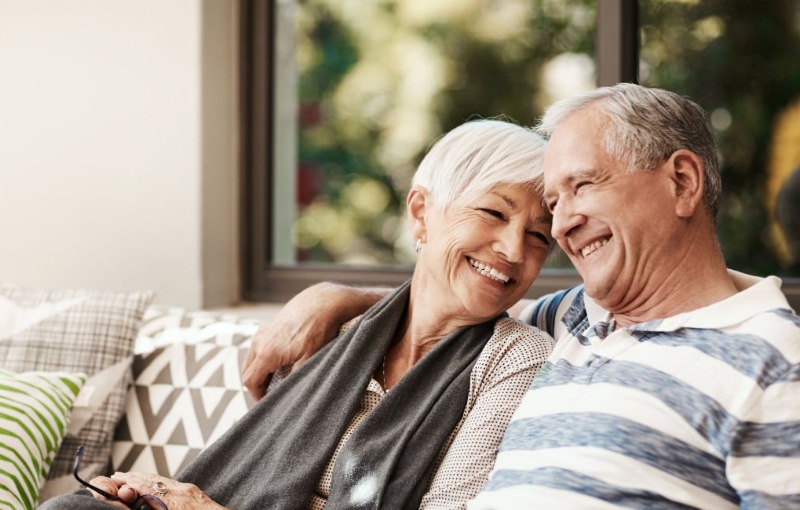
(568, 180)
(580, 173)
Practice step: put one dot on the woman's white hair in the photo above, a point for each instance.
(646, 125)
(479, 155)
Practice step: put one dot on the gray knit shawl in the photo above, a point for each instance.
(275, 455)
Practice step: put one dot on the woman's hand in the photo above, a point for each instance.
(304, 325)
(176, 495)
(119, 490)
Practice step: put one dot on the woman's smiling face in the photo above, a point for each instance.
(481, 255)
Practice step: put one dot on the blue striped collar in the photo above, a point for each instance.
(756, 295)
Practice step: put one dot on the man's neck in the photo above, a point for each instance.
(683, 287)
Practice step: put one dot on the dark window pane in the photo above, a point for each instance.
(739, 60)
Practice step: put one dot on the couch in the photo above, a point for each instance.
(142, 387)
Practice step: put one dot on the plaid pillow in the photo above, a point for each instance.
(76, 331)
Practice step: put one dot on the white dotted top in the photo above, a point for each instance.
(501, 376)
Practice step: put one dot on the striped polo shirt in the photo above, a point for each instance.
(699, 410)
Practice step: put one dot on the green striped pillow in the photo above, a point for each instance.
(34, 414)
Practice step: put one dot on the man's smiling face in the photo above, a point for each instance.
(614, 225)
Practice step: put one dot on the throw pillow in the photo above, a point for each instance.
(187, 391)
(34, 412)
(83, 331)
(167, 325)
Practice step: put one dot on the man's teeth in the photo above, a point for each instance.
(489, 271)
(586, 250)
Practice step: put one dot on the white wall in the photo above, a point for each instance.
(109, 136)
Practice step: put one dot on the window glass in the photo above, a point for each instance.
(739, 60)
(364, 87)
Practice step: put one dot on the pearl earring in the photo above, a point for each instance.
(418, 246)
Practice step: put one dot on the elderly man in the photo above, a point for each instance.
(674, 382)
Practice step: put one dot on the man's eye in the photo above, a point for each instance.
(551, 207)
(581, 184)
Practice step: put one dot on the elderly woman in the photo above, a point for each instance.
(407, 407)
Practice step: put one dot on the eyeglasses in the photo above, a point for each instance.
(144, 502)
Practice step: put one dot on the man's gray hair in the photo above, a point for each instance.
(646, 125)
(478, 155)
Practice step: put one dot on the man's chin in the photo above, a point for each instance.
(598, 277)
(596, 288)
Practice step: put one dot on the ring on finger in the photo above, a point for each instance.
(159, 488)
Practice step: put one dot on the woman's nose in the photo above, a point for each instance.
(511, 244)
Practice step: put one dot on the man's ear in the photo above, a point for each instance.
(417, 204)
(687, 173)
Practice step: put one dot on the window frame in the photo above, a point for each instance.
(262, 281)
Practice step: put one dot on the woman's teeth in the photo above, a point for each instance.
(489, 271)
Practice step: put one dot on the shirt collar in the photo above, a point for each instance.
(594, 312)
(756, 295)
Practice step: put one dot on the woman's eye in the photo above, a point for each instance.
(492, 212)
(540, 238)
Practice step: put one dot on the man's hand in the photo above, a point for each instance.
(303, 326)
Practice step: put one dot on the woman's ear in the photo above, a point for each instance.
(417, 204)
(688, 178)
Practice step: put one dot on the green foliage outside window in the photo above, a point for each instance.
(380, 80)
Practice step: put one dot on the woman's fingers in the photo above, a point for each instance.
(113, 488)
(140, 483)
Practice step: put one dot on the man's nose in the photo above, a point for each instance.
(565, 219)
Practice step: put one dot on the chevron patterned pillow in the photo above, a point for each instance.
(186, 393)
(34, 412)
(164, 325)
